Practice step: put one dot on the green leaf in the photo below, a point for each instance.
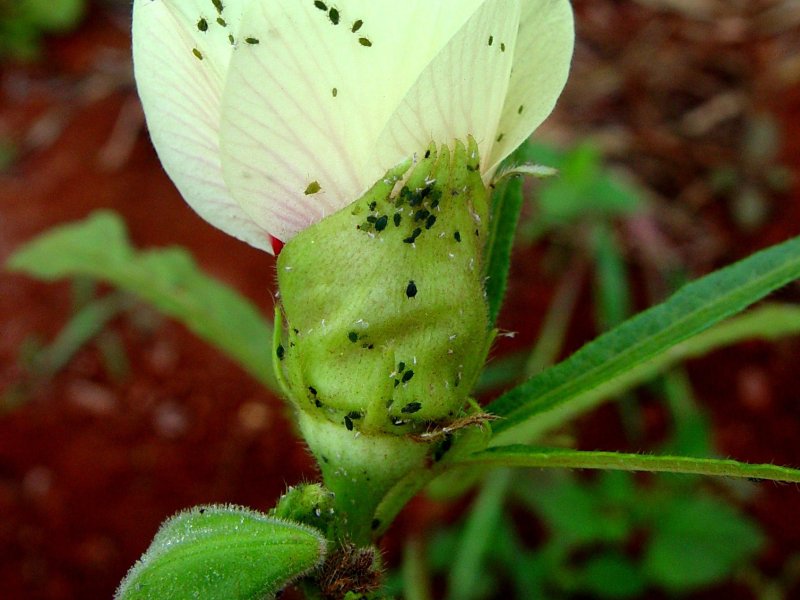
(630, 352)
(168, 278)
(223, 552)
(53, 15)
(506, 205)
(583, 190)
(768, 322)
(612, 290)
(612, 575)
(85, 324)
(531, 456)
(468, 564)
(575, 514)
(699, 541)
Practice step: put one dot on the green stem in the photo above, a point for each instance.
(359, 469)
(527, 456)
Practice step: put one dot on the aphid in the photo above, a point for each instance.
(421, 214)
(491, 40)
(381, 223)
(401, 366)
(313, 390)
(313, 188)
(411, 408)
(218, 5)
(397, 219)
(457, 236)
(320, 5)
(413, 237)
(348, 422)
(411, 289)
(357, 25)
(252, 40)
(520, 109)
(364, 42)
(202, 25)
(355, 415)
(407, 376)
(222, 22)
(375, 524)
(197, 53)
(502, 47)
(352, 336)
(500, 137)
(334, 92)
(280, 352)
(429, 222)
(333, 15)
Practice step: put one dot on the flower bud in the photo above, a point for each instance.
(386, 325)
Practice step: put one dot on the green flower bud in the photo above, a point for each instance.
(309, 503)
(387, 324)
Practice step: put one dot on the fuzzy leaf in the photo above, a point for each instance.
(223, 552)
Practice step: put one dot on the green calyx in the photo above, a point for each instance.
(386, 327)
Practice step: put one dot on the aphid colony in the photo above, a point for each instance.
(335, 17)
(397, 319)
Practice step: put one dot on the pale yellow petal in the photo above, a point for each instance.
(541, 64)
(181, 54)
(308, 95)
(461, 91)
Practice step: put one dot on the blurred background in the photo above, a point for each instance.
(678, 142)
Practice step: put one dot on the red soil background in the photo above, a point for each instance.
(90, 465)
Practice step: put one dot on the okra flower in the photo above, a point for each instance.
(271, 114)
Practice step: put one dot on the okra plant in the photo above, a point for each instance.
(366, 143)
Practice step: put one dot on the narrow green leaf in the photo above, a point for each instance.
(506, 206)
(531, 456)
(168, 278)
(84, 325)
(612, 288)
(768, 322)
(627, 353)
(223, 552)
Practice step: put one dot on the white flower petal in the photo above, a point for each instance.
(303, 107)
(181, 53)
(541, 64)
(461, 92)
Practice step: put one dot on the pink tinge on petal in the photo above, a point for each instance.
(276, 245)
